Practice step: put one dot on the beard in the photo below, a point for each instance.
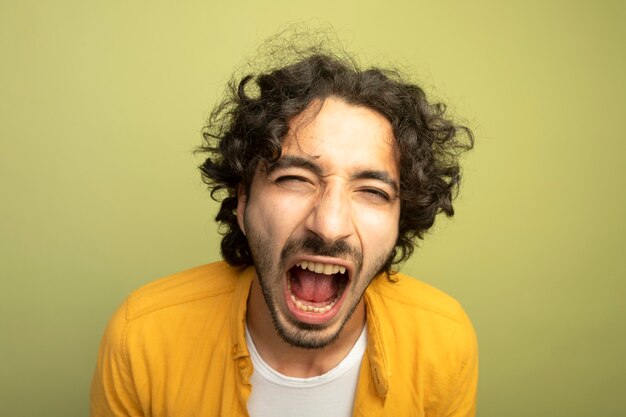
(270, 273)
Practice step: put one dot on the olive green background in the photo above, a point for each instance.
(103, 102)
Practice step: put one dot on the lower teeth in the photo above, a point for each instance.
(301, 306)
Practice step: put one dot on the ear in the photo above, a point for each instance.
(242, 199)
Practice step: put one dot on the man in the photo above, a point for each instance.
(327, 174)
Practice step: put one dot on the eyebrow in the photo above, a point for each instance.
(383, 176)
(290, 161)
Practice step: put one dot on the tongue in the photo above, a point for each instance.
(309, 286)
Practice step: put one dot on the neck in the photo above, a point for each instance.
(294, 361)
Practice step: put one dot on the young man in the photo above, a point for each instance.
(326, 175)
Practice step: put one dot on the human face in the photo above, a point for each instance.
(322, 221)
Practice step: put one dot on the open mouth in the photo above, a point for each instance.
(316, 288)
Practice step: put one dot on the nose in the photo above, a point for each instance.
(331, 217)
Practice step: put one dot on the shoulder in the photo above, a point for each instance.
(161, 328)
(415, 313)
(427, 343)
(405, 293)
(170, 308)
(193, 285)
(429, 329)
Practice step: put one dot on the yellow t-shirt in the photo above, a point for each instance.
(176, 348)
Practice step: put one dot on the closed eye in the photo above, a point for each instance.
(375, 193)
(288, 178)
(296, 183)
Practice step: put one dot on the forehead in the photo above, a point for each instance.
(338, 134)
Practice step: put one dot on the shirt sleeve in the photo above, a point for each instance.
(113, 392)
(464, 402)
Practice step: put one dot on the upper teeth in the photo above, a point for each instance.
(320, 268)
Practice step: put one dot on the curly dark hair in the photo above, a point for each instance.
(247, 127)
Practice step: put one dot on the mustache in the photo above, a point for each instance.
(314, 245)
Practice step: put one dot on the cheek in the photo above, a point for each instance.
(276, 217)
(379, 229)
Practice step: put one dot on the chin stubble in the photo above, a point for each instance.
(304, 335)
